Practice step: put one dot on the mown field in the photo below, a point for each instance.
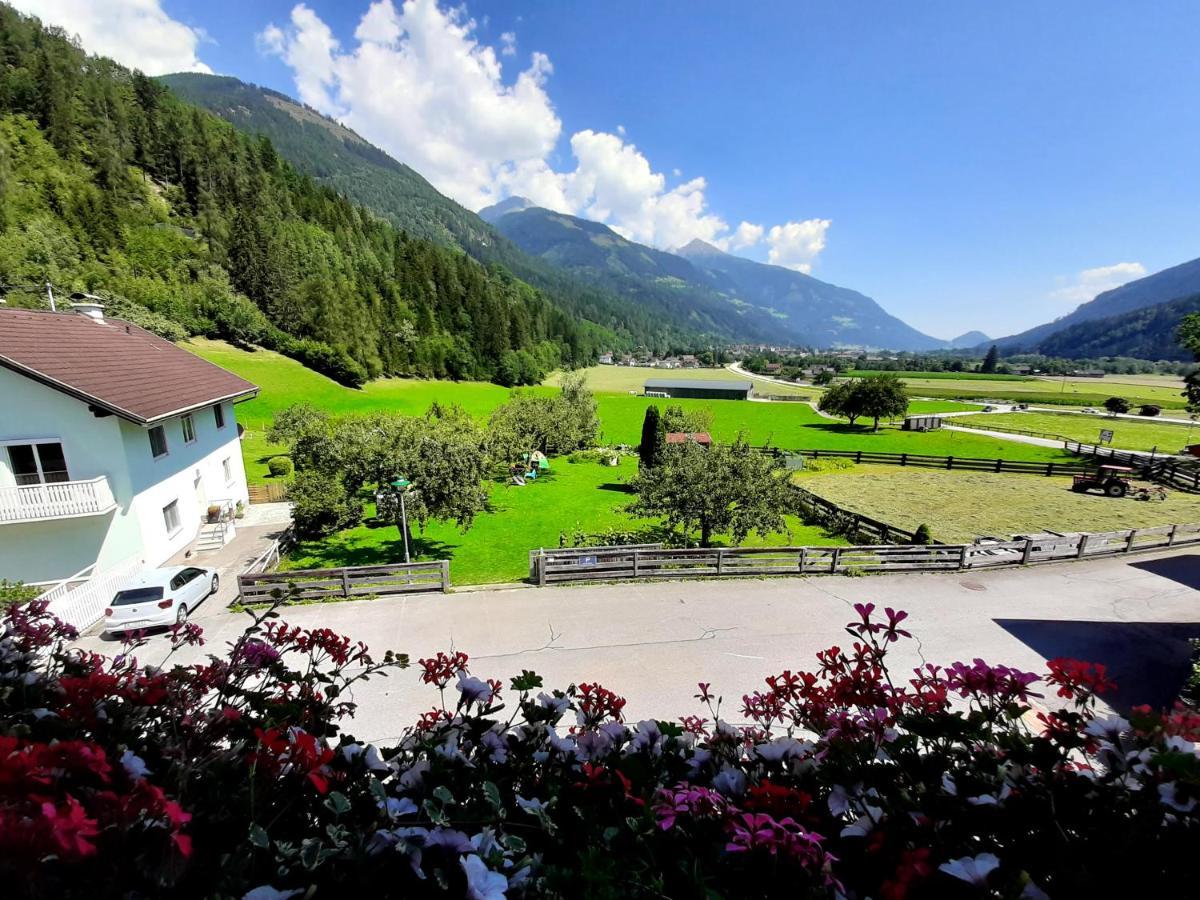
(583, 496)
(792, 425)
(1128, 434)
(623, 379)
(958, 507)
(1162, 390)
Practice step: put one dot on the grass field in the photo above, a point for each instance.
(791, 425)
(623, 379)
(938, 376)
(1128, 434)
(957, 507)
(576, 496)
(1163, 390)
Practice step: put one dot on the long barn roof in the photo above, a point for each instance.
(697, 383)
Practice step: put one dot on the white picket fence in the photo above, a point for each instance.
(81, 599)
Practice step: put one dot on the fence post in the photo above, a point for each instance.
(720, 559)
(1083, 542)
(962, 557)
(803, 554)
(858, 458)
(636, 554)
(1171, 536)
(1133, 532)
(904, 459)
(999, 463)
(540, 565)
(949, 462)
(1049, 468)
(345, 584)
(1028, 550)
(445, 566)
(833, 560)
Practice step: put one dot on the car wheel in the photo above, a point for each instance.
(181, 616)
(216, 582)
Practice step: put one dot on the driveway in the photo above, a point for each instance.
(652, 642)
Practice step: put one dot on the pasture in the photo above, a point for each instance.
(1137, 389)
(793, 425)
(583, 496)
(1128, 434)
(958, 507)
(623, 379)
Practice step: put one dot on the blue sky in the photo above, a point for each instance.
(968, 165)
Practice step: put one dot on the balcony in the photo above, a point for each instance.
(56, 500)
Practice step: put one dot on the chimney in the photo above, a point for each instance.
(88, 305)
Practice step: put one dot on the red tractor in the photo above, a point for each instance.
(1111, 480)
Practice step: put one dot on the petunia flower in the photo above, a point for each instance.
(972, 869)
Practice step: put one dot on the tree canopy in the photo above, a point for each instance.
(876, 396)
(723, 488)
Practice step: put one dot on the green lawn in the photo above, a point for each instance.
(1128, 434)
(582, 496)
(1163, 390)
(958, 506)
(623, 379)
(793, 425)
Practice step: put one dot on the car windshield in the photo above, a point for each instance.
(137, 595)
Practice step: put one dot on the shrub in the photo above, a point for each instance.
(922, 535)
(237, 776)
(279, 466)
(16, 592)
(1149, 409)
(322, 505)
(1117, 405)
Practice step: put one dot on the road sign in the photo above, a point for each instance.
(1106, 436)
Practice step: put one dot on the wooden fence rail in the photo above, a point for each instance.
(583, 551)
(883, 532)
(345, 583)
(964, 463)
(619, 563)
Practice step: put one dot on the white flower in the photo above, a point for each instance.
(730, 782)
(839, 800)
(781, 749)
(864, 824)
(482, 882)
(1169, 796)
(1107, 728)
(972, 869)
(369, 753)
(266, 892)
(531, 806)
(395, 807)
(648, 737)
(414, 775)
(497, 748)
(134, 765)
(948, 785)
(1181, 745)
(474, 690)
(557, 705)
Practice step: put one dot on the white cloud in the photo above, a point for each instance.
(797, 244)
(1090, 282)
(419, 83)
(136, 33)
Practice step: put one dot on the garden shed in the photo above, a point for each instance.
(922, 423)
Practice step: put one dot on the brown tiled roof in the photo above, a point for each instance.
(113, 365)
(681, 437)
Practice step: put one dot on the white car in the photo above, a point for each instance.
(159, 597)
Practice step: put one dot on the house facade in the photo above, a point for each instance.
(115, 445)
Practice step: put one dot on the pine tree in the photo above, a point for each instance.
(991, 360)
(654, 438)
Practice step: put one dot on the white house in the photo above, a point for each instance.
(114, 445)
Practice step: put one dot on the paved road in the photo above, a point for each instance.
(652, 642)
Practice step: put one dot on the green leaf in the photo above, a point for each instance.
(259, 837)
(526, 681)
(442, 794)
(310, 852)
(493, 795)
(513, 843)
(337, 803)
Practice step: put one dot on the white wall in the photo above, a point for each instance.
(141, 484)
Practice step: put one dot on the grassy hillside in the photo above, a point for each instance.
(792, 425)
(1128, 434)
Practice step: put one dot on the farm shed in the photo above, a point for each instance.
(922, 423)
(698, 389)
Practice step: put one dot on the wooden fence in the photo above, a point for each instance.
(268, 560)
(961, 463)
(273, 492)
(345, 583)
(858, 524)
(583, 551)
(1178, 472)
(619, 563)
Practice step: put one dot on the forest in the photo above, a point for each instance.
(111, 184)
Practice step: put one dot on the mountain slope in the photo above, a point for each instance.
(109, 182)
(968, 340)
(341, 159)
(817, 313)
(1147, 333)
(1169, 284)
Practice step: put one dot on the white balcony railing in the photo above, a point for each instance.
(56, 500)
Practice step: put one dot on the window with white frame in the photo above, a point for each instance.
(158, 441)
(227, 467)
(38, 462)
(189, 429)
(219, 415)
(171, 517)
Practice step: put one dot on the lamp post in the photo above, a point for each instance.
(402, 485)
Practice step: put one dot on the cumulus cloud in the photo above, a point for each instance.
(420, 83)
(1090, 282)
(136, 33)
(797, 244)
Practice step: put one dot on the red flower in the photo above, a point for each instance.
(71, 828)
(443, 668)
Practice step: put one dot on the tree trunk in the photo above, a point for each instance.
(877, 423)
(705, 533)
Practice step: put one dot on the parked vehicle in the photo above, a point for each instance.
(1191, 450)
(159, 597)
(1112, 480)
